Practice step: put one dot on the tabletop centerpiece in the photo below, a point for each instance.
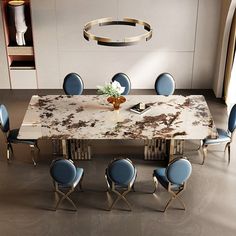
(113, 91)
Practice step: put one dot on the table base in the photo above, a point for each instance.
(160, 149)
(72, 149)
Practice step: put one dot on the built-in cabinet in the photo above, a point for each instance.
(20, 58)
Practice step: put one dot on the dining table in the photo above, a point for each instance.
(164, 127)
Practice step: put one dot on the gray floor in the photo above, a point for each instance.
(26, 196)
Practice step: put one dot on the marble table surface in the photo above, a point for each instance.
(92, 117)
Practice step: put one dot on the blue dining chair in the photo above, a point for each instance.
(73, 84)
(11, 135)
(224, 136)
(165, 84)
(120, 177)
(65, 177)
(173, 178)
(124, 81)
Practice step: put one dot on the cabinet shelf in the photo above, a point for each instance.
(20, 50)
(22, 65)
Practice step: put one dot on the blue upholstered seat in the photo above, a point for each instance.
(224, 136)
(73, 84)
(175, 174)
(165, 84)
(11, 135)
(179, 171)
(121, 172)
(120, 176)
(160, 174)
(118, 185)
(65, 173)
(65, 176)
(173, 178)
(124, 81)
(4, 119)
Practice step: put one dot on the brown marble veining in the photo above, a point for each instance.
(92, 117)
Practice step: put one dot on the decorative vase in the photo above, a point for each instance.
(116, 101)
(18, 9)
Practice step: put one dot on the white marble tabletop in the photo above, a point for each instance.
(92, 117)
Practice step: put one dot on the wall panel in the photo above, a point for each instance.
(45, 43)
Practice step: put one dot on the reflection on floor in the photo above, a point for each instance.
(26, 196)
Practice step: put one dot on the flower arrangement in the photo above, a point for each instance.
(113, 89)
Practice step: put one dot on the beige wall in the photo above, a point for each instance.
(184, 42)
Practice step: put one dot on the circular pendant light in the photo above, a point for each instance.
(119, 42)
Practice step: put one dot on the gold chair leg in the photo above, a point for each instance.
(121, 196)
(32, 151)
(80, 183)
(204, 152)
(175, 196)
(156, 183)
(181, 201)
(65, 196)
(9, 152)
(228, 153)
(227, 146)
(168, 203)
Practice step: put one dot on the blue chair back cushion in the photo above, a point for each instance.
(179, 171)
(63, 171)
(121, 172)
(73, 84)
(124, 81)
(232, 119)
(165, 84)
(4, 118)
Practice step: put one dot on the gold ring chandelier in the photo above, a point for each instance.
(121, 42)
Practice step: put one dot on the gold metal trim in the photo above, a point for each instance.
(123, 42)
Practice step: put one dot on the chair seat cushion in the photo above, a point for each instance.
(12, 138)
(160, 174)
(223, 137)
(76, 180)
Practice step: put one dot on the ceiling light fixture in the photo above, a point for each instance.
(127, 41)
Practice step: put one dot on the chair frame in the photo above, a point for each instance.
(227, 146)
(65, 195)
(10, 151)
(124, 191)
(175, 194)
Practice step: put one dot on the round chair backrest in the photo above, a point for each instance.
(179, 171)
(63, 171)
(4, 119)
(124, 81)
(121, 171)
(73, 84)
(232, 119)
(165, 84)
